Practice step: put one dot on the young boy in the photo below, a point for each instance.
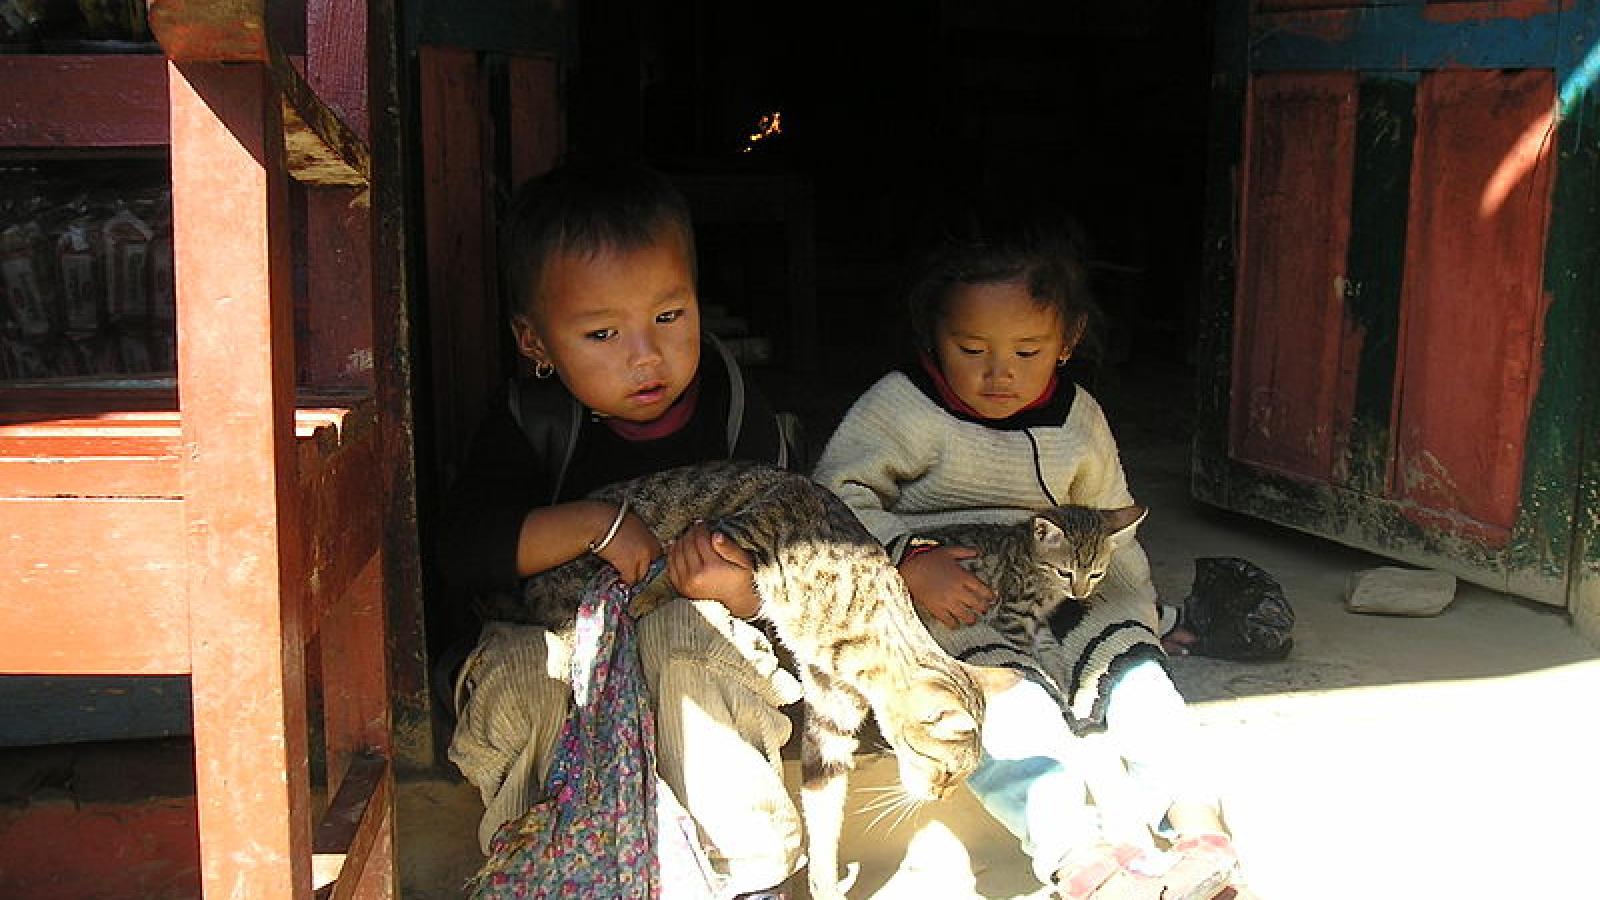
(600, 262)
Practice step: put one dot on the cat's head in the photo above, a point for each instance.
(1073, 545)
(934, 726)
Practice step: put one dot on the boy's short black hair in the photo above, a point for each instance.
(998, 239)
(585, 207)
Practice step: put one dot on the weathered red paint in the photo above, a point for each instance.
(464, 326)
(336, 59)
(66, 850)
(537, 135)
(92, 586)
(338, 335)
(211, 30)
(1312, 18)
(93, 101)
(1472, 308)
(1484, 10)
(1288, 353)
(236, 381)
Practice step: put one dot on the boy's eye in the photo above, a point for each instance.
(600, 334)
(1027, 354)
(668, 317)
(970, 351)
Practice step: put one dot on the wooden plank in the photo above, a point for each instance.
(1385, 131)
(340, 512)
(319, 148)
(414, 723)
(120, 475)
(1294, 241)
(350, 843)
(336, 59)
(236, 380)
(92, 586)
(1557, 533)
(464, 322)
(211, 30)
(1472, 310)
(339, 324)
(1405, 38)
(534, 119)
(99, 101)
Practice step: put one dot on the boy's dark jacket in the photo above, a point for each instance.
(539, 446)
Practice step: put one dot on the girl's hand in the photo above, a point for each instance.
(706, 565)
(631, 549)
(943, 588)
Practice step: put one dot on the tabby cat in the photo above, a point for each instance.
(1058, 554)
(838, 603)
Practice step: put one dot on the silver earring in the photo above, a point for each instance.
(542, 369)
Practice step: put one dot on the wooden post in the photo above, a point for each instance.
(236, 387)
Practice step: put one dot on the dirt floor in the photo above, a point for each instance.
(1385, 758)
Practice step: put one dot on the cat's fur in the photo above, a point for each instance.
(1058, 554)
(837, 602)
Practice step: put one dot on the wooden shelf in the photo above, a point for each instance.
(94, 101)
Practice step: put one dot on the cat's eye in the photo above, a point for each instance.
(1064, 573)
(1096, 576)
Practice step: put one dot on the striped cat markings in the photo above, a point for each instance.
(838, 604)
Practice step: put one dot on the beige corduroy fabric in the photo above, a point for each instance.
(716, 686)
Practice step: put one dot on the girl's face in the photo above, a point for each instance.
(621, 327)
(998, 347)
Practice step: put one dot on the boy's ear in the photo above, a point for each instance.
(528, 343)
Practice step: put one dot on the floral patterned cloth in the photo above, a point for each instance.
(609, 829)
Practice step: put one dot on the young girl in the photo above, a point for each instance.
(601, 262)
(982, 428)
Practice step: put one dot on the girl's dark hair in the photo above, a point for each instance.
(586, 207)
(992, 241)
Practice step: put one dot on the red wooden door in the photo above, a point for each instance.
(1397, 193)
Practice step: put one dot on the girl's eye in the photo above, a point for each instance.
(1027, 354)
(668, 317)
(600, 334)
(970, 351)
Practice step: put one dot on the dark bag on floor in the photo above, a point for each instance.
(1237, 611)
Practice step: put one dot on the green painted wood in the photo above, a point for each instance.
(1544, 536)
(1554, 552)
(508, 26)
(1385, 129)
(1214, 317)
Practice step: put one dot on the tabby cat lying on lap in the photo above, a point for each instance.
(839, 605)
(1058, 554)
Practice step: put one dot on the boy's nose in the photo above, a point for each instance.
(643, 351)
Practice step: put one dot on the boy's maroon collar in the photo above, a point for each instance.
(668, 423)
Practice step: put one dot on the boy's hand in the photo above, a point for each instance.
(706, 565)
(943, 588)
(631, 549)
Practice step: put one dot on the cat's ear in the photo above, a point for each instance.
(1045, 532)
(993, 680)
(1121, 522)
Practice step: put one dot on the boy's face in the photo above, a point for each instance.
(621, 327)
(998, 347)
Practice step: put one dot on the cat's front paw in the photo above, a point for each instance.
(825, 889)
